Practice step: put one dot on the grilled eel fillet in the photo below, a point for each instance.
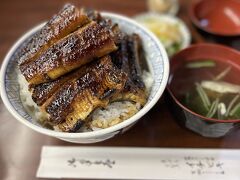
(42, 92)
(60, 25)
(86, 89)
(128, 58)
(80, 47)
(104, 22)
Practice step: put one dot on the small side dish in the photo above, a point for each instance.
(170, 30)
(80, 72)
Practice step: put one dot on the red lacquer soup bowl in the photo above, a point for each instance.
(179, 83)
(219, 17)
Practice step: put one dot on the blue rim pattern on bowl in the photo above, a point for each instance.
(156, 56)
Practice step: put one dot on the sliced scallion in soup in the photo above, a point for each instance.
(209, 88)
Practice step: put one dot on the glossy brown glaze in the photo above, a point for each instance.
(80, 95)
(136, 56)
(128, 58)
(42, 92)
(95, 15)
(71, 52)
(60, 25)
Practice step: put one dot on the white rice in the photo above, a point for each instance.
(117, 112)
(148, 81)
(113, 114)
(27, 101)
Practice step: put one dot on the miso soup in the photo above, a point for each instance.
(209, 88)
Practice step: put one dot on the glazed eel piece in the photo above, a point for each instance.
(42, 92)
(75, 99)
(128, 58)
(71, 52)
(66, 21)
(104, 22)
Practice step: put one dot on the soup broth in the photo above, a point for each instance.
(209, 88)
